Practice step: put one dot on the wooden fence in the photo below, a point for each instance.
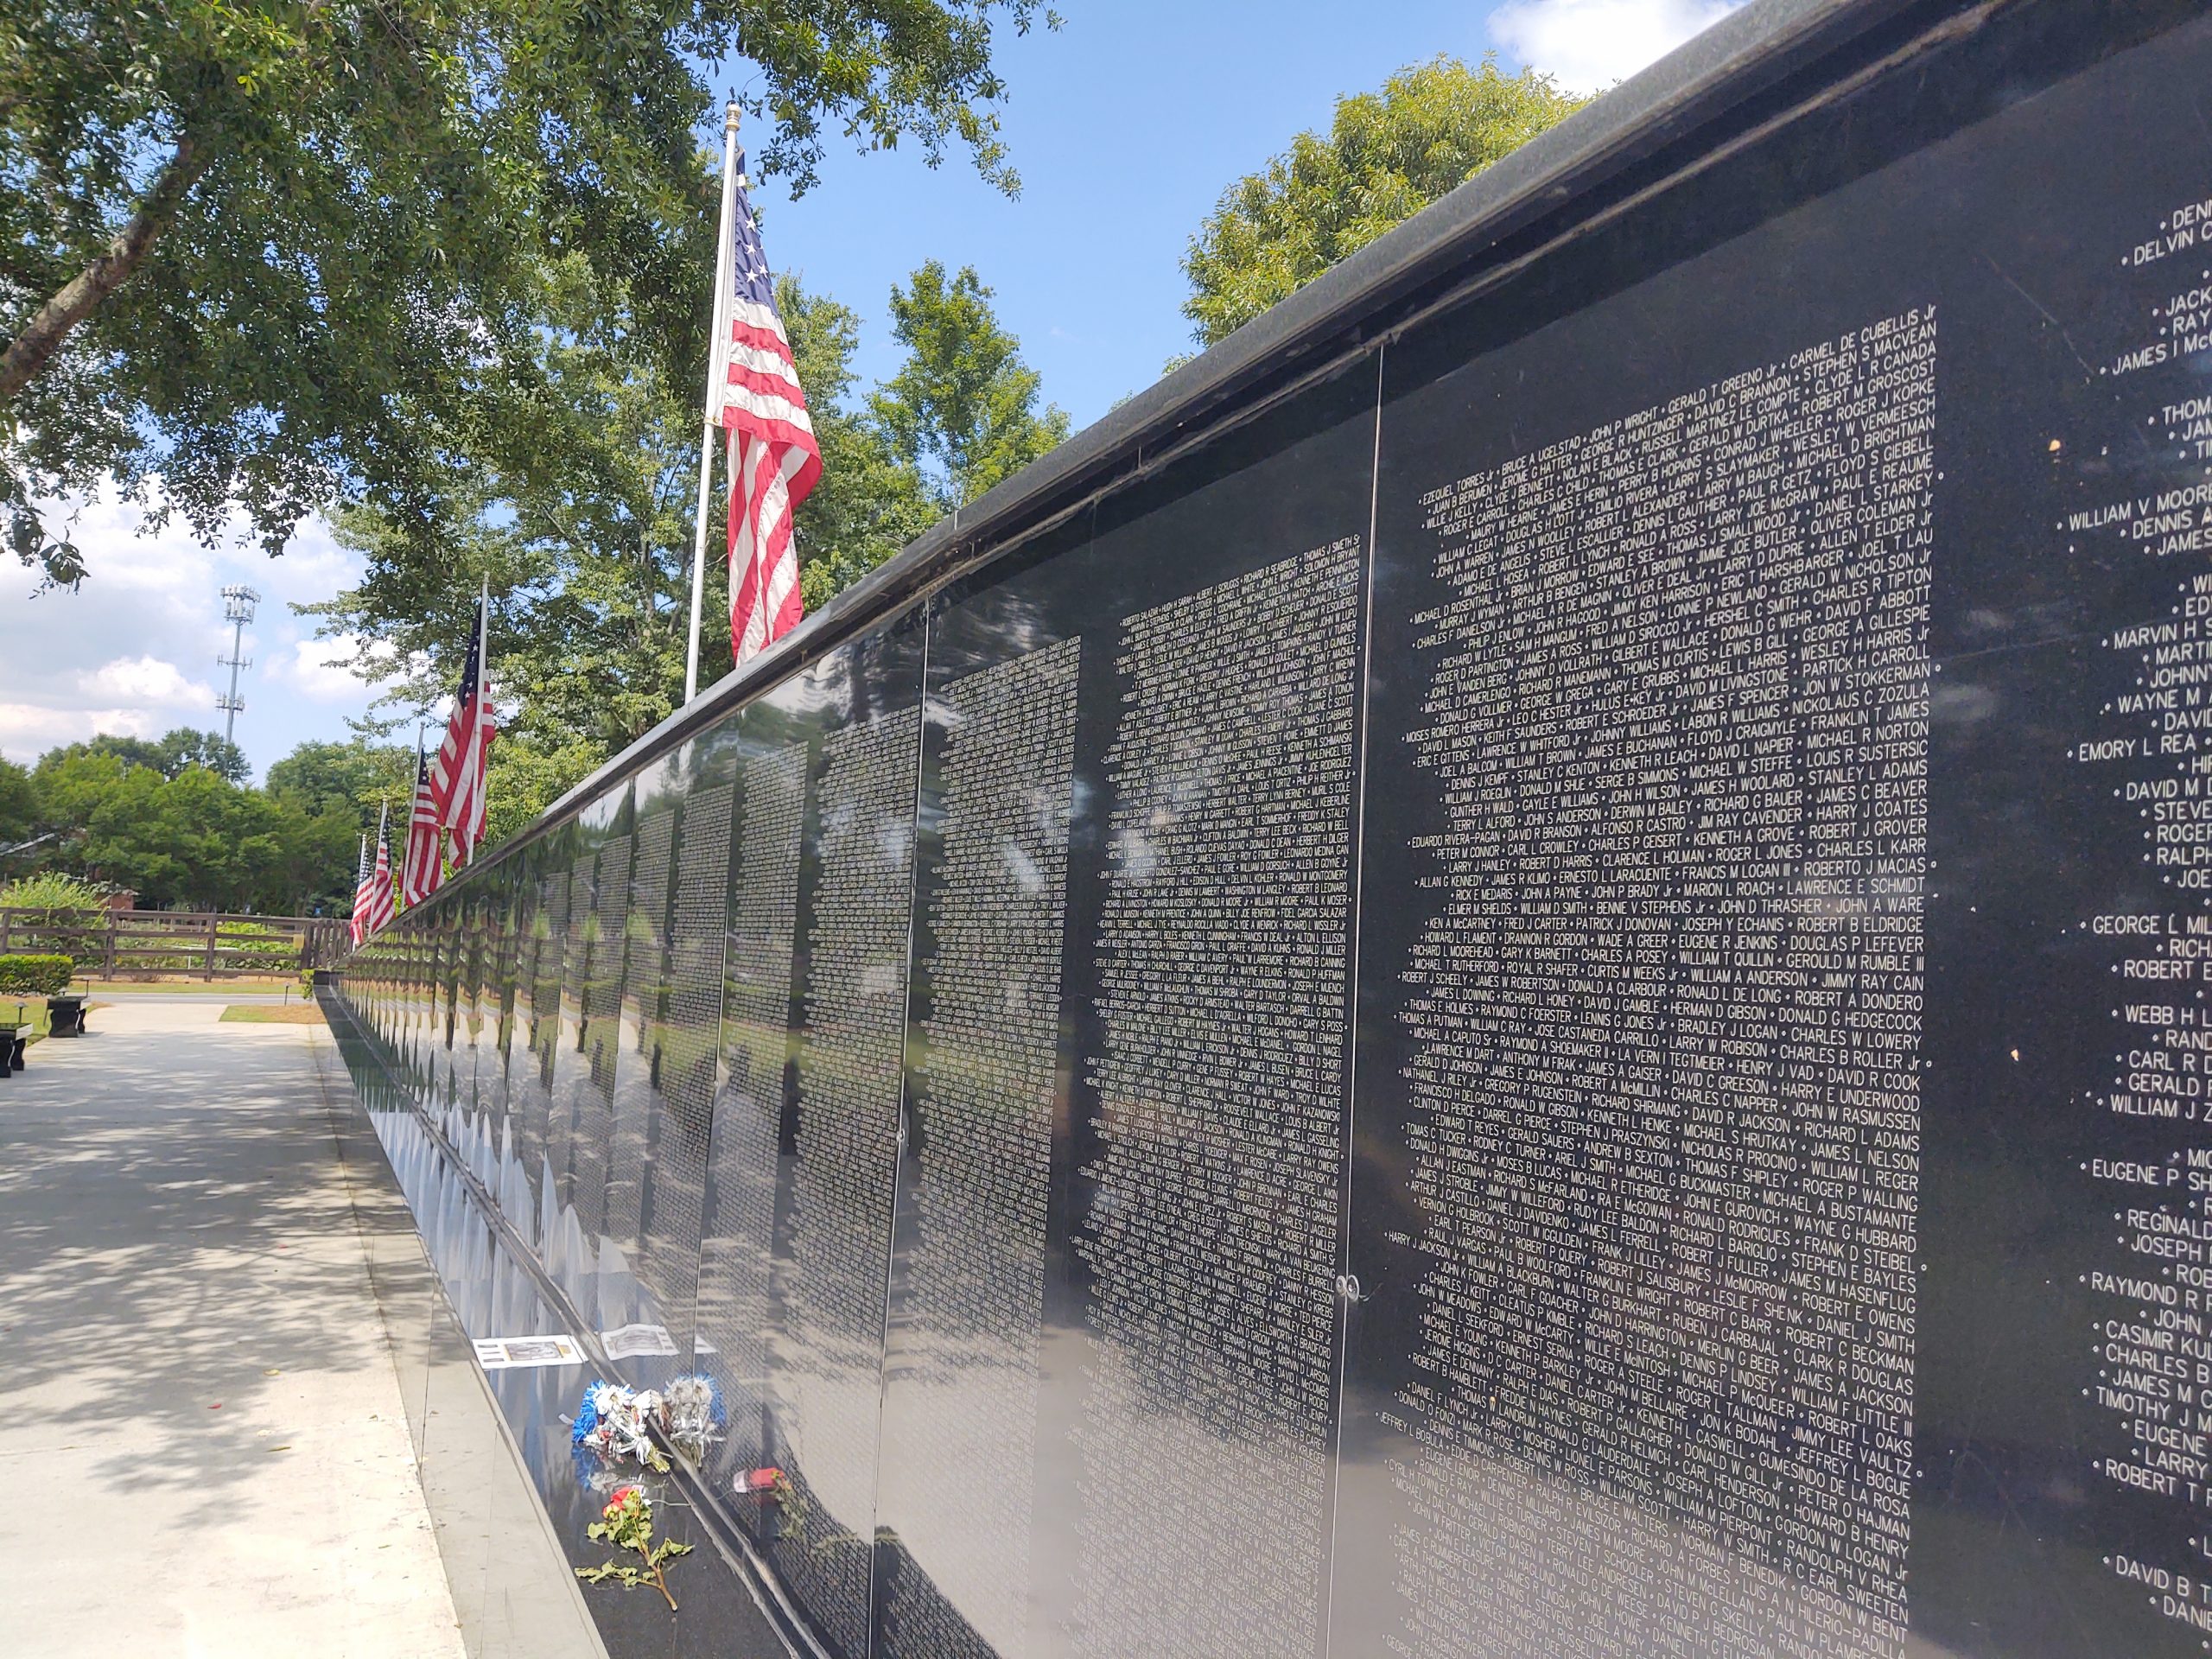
(133, 943)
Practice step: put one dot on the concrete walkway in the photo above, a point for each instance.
(203, 1447)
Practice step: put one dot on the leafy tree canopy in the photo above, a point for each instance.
(962, 408)
(18, 803)
(1387, 156)
(169, 755)
(586, 541)
(277, 252)
(354, 776)
(195, 840)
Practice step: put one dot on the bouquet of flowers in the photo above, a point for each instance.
(616, 1421)
(627, 1523)
(692, 1412)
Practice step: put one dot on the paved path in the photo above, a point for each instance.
(203, 1449)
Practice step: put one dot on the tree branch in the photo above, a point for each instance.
(83, 294)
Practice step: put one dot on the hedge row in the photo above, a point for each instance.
(28, 976)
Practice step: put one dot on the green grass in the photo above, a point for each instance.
(17, 1010)
(272, 1013)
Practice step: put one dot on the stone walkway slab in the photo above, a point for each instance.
(202, 1436)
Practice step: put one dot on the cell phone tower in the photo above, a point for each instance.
(238, 602)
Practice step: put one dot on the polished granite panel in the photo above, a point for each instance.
(606, 939)
(800, 1187)
(684, 1042)
(487, 1289)
(644, 930)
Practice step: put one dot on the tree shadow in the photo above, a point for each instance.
(181, 1238)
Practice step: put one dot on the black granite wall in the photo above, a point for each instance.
(1548, 1001)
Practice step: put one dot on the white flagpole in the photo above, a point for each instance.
(716, 377)
(484, 649)
(476, 756)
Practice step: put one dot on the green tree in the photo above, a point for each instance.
(352, 777)
(528, 773)
(169, 755)
(962, 408)
(587, 544)
(1388, 155)
(584, 538)
(278, 251)
(195, 841)
(131, 751)
(869, 502)
(185, 747)
(18, 803)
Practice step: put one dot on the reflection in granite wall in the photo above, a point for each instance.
(739, 1227)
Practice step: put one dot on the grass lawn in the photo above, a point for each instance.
(257, 984)
(274, 1013)
(17, 1010)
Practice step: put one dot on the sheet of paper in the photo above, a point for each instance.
(503, 1353)
(626, 1340)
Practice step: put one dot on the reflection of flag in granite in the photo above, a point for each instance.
(774, 457)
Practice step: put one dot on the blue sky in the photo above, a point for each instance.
(1125, 125)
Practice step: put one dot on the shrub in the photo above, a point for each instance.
(27, 975)
(51, 889)
(61, 909)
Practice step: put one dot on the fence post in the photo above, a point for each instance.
(212, 924)
(107, 944)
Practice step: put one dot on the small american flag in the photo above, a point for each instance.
(423, 869)
(774, 457)
(457, 774)
(372, 901)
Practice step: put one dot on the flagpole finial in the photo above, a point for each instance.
(729, 116)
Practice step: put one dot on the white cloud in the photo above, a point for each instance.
(139, 680)
(133, 650)
(165, 560)
(1590, 44)
(28, 729)
(322, 669)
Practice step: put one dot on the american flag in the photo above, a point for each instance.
(457, 774)
(423, 868)
(360, 889)
(372, 898)
(773, 458)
